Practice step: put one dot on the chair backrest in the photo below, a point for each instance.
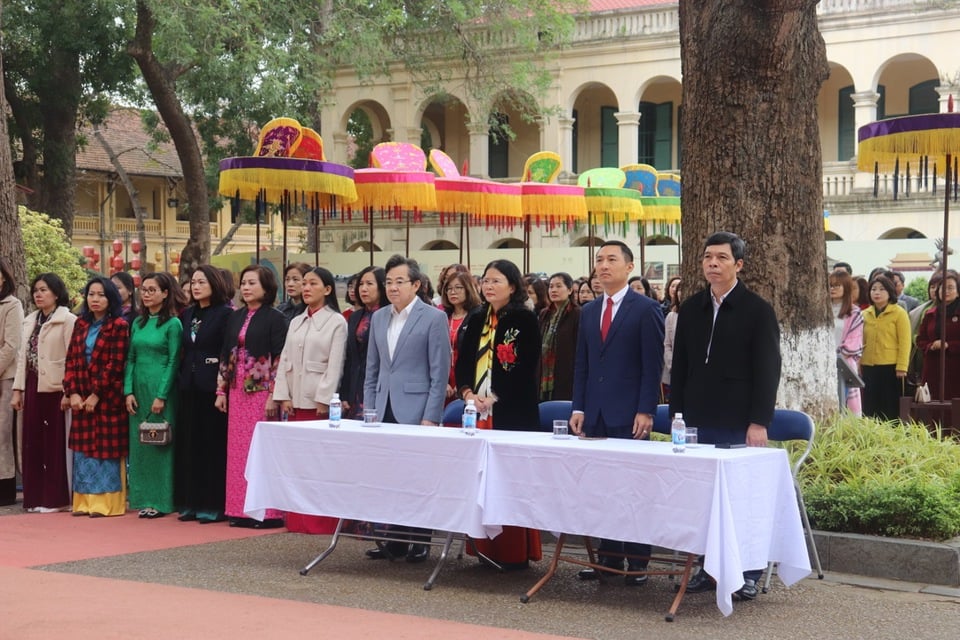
(787, 425)
(543, 166)
(443, 164)
(661, 419)
(668, 184)
(453, 414)
(398, 156)
(602, 178)
(554, 410)
(641, 177)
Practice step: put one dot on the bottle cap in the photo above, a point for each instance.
(470, 401)
(678, 416)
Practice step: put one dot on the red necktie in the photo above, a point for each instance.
(606, 319)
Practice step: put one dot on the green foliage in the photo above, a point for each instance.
(918, 289)
(361, 131)
(48, 250)
(883, 478)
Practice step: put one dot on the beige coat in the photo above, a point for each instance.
(11, 329)
(52, 348)
(312, 359)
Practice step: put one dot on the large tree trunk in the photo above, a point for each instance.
(59, 182)
(752, 71)
(28, 171)
(161, 80)
(11, 249)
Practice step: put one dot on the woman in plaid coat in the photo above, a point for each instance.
(93, 383)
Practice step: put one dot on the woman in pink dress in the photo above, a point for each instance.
(252, 345)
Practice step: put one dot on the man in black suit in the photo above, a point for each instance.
(726, 364)
(616, 376)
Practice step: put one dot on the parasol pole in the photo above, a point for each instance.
(468, 246)
(943, 282)
(462, 216)
(589, 241)
(259, 204)
(371, 235)
(284, 219)
(407, 238)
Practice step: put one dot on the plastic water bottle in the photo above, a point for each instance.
(336, 410)
(469, 420)
(678, 434)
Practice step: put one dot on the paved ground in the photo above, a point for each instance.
(266, 568)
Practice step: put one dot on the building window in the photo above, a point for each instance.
(655, 144)
(924, 98)
(847, 121)
(576, 136)
(498, 146)
(609, 138)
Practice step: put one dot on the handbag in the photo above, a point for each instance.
(155, 433)
(923, 394)
(851, 379)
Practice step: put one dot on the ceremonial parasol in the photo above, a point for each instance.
(289, 171)
(608, 200)
(928, 139)
(661, 207)
(546, 203)
(472, 199)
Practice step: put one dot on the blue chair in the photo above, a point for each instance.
(554, 410)
(790, 425)
(453, 414)
(662, 420)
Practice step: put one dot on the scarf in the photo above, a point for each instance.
(485, 355)
(549, 348)
(33, 344)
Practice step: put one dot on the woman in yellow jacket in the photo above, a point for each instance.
(886, 350)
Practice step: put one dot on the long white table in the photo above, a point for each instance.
(736, 506)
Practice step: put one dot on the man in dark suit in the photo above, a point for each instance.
(408, 366)
(726, 364)
(616, 377)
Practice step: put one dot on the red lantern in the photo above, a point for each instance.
(135, 245)
(94, 259)
(117, 263)
(135, 263)
(117, 246)
(88, 251)
(136, 279)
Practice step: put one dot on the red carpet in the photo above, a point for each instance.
(46, 538)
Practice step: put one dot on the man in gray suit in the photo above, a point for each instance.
(408, 366)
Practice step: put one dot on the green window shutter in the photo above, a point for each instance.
(663, 137)
(846, 125)
(609, 138)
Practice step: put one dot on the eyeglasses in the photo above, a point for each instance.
(149, 290)
(456, 289)
(397, 283)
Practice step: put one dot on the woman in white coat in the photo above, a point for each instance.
(310, 368)
(11, 329)
(38, 395)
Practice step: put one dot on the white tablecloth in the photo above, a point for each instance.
(409, 475)
(736, 506)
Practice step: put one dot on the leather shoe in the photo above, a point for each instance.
(748, 591)
(701, 583)
(638, 580)
(418, 553)
(592, 574)
(378, 554)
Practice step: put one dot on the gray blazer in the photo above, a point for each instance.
(415, 379)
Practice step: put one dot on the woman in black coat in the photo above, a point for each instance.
(497, 369)
(201, 442)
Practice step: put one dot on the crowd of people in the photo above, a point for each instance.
(193, 361)
(892, 340)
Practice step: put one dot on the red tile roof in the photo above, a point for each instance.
(139, 155)
(614, 5)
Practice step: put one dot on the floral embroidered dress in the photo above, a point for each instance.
(251, 386)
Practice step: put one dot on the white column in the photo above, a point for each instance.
(566, 142)
(479, 149)
(337, 152)
(628, 128)
(864, 112)
(945, 91)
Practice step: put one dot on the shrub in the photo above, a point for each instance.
(882, 478)
(48, 249)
